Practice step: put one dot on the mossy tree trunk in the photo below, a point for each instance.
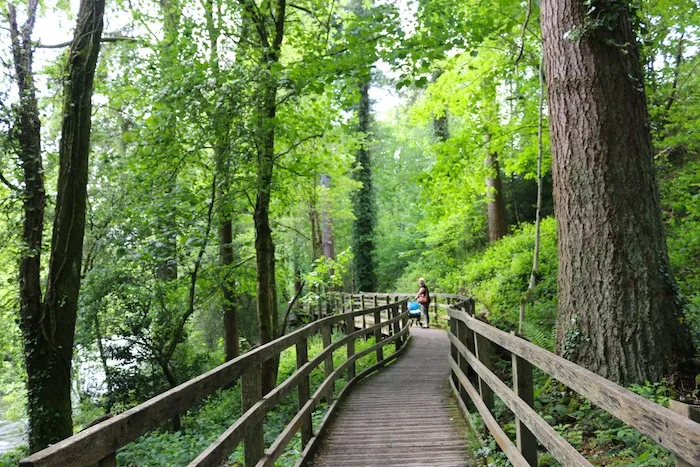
(49, 326)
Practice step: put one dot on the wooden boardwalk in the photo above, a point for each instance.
(401, 416)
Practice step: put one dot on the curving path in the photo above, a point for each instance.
(401, 416)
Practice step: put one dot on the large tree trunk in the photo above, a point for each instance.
(618, 309)
(494, 196)
(49, 362)
(364, 208)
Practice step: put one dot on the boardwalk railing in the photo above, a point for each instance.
(472, 357)
(439, 301)
(99, 443)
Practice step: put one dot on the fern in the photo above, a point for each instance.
(539, 337)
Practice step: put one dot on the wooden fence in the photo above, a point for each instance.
(99, 443)
(471, 359)
(439, 301)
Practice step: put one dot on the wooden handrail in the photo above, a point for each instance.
(680, 435)
(104, 439)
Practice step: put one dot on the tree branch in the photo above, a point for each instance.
(522, 33)
(297, 144)
(283, 331)
(8, 184)
(102, 40)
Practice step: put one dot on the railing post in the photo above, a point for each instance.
(326, 335)
(687, 411)
(454, 352)
(483, 353)
(463, 336)
(349, 329)
(251, 392)
(397, 326)
(304, 391)
(404, 320)
(378, 335)
(468, 307)
(436, 310)
(523, 387)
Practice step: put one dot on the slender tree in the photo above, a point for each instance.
(364, 203)
(619, 313)
(48, 325)
(535, 271)
(327, 237)
(268, 22)
(495, 203)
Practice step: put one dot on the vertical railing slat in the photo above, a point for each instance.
(251, 392)
(523, 386)
(349, 329)
(326, 335)
(463, 336)
(397, 325)
(483, 353)
(378, 335)
(304, 391)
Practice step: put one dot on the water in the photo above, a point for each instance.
(91, 378)
(12, 432)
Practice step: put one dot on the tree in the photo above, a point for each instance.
(364, 203)
(268, 22)
(495, 205)
(619, 313)
(48, 324)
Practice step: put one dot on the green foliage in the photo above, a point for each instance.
(680, 194)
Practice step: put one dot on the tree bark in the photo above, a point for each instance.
(50, 348)
(231, 346)
(494, 195)
(619, 313)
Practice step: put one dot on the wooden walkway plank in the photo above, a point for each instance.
(401, 416)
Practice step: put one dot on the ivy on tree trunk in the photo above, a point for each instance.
(49, 326)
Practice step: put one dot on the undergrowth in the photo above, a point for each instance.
(598, 436)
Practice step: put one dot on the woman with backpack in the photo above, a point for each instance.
(423, 297)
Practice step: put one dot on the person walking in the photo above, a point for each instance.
(423, 297)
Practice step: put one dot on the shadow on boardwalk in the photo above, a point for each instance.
(401, 416)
